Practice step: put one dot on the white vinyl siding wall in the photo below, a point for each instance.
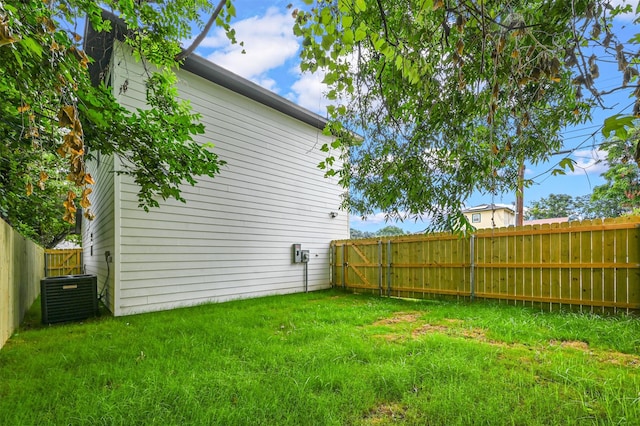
(98, 235)
(233, 237)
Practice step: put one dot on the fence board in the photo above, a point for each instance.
(609, 248)
(499, 255)
(592, 265)
(551, 286)
(457, 274)
(633, 257)
(527, 273)
(444, 281)
(413, 252)
(518, 273)
(433, 272)
(564, 286)
(571, 279)
(621, 248)
(599, 277)
(481, 273)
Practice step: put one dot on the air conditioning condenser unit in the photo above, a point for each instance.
(68, 298)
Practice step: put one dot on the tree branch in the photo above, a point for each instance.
(189, 50)
(384, 22)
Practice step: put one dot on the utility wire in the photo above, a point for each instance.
(572, 150)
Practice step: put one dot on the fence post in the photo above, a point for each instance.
(389, 256)
(380, 266)
(472, 278)
(331, 247)
(344, 266)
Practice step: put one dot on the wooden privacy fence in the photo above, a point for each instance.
(62, 262)
(594, 264)
(21, 269)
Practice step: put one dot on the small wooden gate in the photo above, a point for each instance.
(62, 262)
(359, 265)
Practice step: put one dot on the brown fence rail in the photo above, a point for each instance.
(589, 264)
(62, 262)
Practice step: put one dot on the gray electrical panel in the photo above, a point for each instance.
(296, 253)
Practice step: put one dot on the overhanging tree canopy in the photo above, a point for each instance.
(453, 96)
(622, 188)
(51, 110)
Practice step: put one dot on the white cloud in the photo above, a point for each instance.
(591, 161)
(268, 40)
(267, 82)
(375, 219)
(380, 219)
(308, 92)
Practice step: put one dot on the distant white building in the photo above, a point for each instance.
(491, 215)
(67, 245)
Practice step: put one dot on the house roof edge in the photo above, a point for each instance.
(99, 46)
(234, 82)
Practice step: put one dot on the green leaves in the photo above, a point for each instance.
(450, 97)
(347, 21)
(617, 124)
(361, 32)
(360, 6)
(32, 46)
(621, 192)
(348, 37)
(45, 71)
(565, 163)
(553, 206)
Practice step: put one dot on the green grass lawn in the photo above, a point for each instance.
(326, 358)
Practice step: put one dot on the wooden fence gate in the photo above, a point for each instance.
(62, 262)
(364, 265)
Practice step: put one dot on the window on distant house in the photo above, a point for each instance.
(475, 218)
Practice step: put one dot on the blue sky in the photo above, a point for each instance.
(271, 60)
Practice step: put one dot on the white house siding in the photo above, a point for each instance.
(98, 235)
(233, 237)
(491, 218)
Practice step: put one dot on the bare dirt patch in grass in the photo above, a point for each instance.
(610, 357)
(621, 359)
(429, 328)
(415, 327)
(385, 413)
(450, 326)
(410, 325)
(474, 333)
(573, 344)
(400, 317)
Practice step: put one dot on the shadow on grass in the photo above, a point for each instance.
(33, 317)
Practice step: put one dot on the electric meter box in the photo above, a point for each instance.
(296, 253)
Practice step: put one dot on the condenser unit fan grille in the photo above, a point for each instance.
(68, 298)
